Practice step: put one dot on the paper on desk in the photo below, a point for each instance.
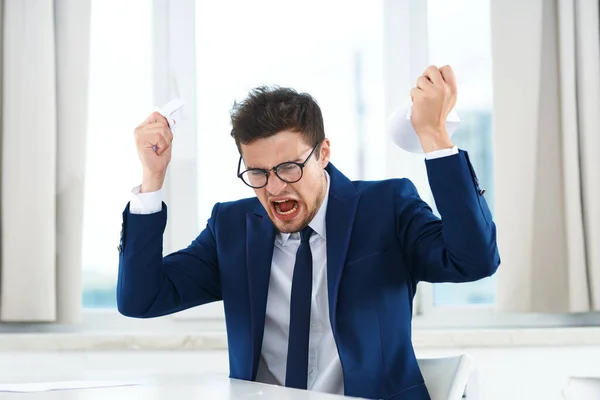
(64, 385)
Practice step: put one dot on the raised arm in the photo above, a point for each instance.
(461, 247)
(150, 285)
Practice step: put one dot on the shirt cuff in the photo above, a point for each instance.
(441, 153)
(145, 203)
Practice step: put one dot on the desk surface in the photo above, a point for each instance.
(173, 387)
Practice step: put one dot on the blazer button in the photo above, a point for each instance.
(481, 192)
(120, 248)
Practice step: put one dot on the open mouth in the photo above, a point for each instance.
(285, 209)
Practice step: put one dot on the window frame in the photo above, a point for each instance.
(174, 71)
(175, 76)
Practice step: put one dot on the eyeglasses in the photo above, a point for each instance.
(289, 172)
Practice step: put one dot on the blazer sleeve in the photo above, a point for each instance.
(459, 247)
(150, 285)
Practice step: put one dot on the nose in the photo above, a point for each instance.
(275, 185)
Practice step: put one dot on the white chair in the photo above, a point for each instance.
(582, 388)
(446, 377)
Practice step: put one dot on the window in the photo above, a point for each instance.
(459, 35)
(332, 50)
(120, 93)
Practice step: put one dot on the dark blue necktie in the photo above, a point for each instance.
(297, 356)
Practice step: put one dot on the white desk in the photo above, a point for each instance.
(173, 387)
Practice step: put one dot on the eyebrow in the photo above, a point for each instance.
(297, 160)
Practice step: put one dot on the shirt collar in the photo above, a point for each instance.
(318, 222)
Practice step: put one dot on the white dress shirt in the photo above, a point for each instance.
(324, 366)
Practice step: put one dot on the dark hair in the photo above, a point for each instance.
(269, 110)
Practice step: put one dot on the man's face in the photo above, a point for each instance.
(291, 206)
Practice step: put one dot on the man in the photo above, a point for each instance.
(317, 273)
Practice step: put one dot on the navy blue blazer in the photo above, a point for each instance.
(381, 240)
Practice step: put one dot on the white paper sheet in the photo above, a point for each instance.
(399, 124)
(402, 131)
(167, 111)
(63, 385)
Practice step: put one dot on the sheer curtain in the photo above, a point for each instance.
(45, 49)
(546, 71)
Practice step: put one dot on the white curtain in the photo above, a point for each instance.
(546, 67)
(45, 59)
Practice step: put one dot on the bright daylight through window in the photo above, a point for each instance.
(342, 68)
(120, 95)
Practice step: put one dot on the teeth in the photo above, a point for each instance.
(293, 210)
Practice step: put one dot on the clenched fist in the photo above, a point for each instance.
(433, 98)
(154, 133)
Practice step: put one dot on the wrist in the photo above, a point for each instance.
(436, 141)
(152, 182)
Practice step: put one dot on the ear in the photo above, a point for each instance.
(324, 153)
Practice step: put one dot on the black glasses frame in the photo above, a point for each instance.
(275, 169)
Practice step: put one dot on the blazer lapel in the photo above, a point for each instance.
(341, 210)
(260, 241)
